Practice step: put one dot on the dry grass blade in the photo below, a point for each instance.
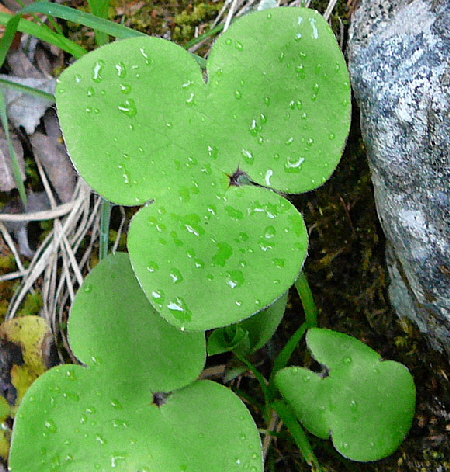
(60, 261)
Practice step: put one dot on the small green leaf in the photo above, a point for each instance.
(364, 403)
(229, 338)
(250, 334)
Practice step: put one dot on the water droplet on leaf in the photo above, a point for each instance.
(128, 107)
(97, 71)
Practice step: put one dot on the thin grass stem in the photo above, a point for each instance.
(15, 163)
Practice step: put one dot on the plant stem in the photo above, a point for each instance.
(262, 382)
(306, 297)
(12, 154)
(310, 310)
(290, 420)
(105, 217)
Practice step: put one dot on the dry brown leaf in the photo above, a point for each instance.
(56, 163)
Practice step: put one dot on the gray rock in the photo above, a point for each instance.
(399, 60)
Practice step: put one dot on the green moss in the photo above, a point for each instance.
(178, 19)
(32, 305)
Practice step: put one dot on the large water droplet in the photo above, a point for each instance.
(234, 213)
(148, 60)
(193, 224)
(315, 31)
(50, 426)
(121, 69)
(125, 88)
(191, 99)
(213, 152)
(87, 288)
(270, 232)
(179, 309)
(175, 275)
(224, 252)
(279, 262)
(293, 164)
(97, 71)
(247, 156)
(242, 237)
(116, 404)
(128, 107)
(239, 46)
(289, 141)
(235, 278)
(199, 264)
(71, 375)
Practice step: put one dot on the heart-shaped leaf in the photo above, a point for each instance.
(138, 116)
(364, 403)
(141, 123)
(120, 412)
(213, 262)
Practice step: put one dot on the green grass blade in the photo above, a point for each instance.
(307, 299)
(15, 163)
(82, 18)
(41, 32)
(26, 89)
(100, 9)
(217, 29)
(8, 37)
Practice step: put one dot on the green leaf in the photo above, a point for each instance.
(364, 403)
(254, 331)
(229, 338)
(131, 408)
(262, 326)
(84, 421)
(140, 108)
(141, 124)
(110, 310)
(209, 262)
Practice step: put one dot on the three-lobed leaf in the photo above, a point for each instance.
(141, 124)
(364, 403)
